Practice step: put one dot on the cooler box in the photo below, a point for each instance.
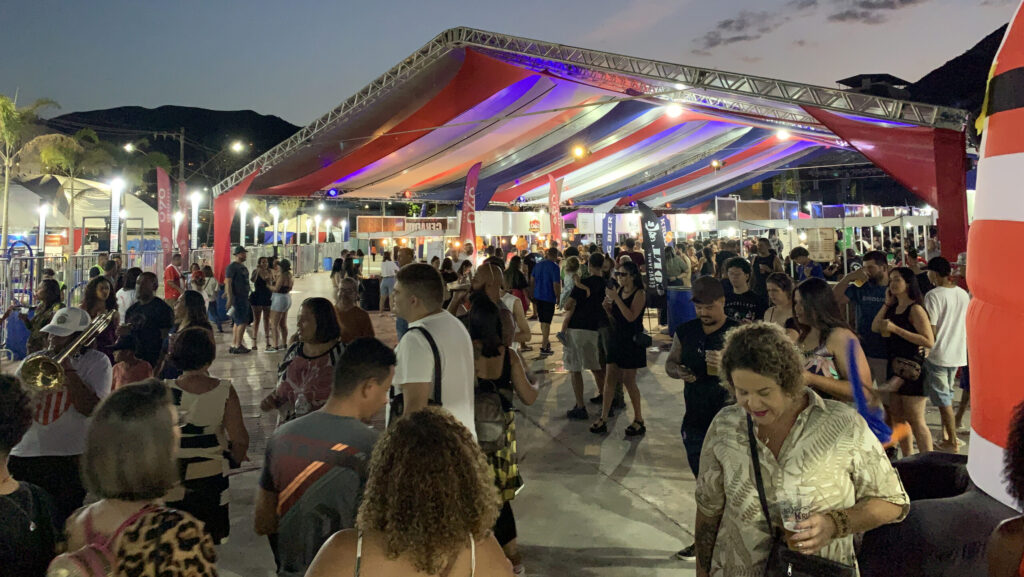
(680, 307)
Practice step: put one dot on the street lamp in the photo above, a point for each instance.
(237, 147)
(316, 238)
(124, 224)
(327, 223)
(320, 207)
(255, 230)
(244, 207)
(178, 217)
(116, 187)
(275, 213)
(284, 225)
(129, 147)
(41, 237)
(309, 226)
(195, 197)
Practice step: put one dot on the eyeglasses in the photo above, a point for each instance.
(617, 273)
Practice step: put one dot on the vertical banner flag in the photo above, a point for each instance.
(555, 207)
(608, 234)
(467, 226)
(186, 223)
(654, 244)
(163, 200)
(666, 230)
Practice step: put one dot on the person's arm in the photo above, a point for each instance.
(673, 365)
(417, 396)
(839, 291)
(228, 293)
(235, 427)
(842, 389)
(1005, 546)
(525, 390)
(777, 265)
(632, 312)
(83, 398)
(415, 364)
(817, 531)
(879, 323)
(255, 273)
(705, 533)
(264, 517)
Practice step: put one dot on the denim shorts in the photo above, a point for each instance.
(387, 286)
(938, 383)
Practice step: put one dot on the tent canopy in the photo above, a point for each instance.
(92, 199)
(615, 129)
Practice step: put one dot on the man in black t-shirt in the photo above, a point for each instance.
(236, 288)
(743, 305)
(695, 356)
(148, 320)
(582, 345)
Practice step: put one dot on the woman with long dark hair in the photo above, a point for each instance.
(516, 281)
(126, 294)
(259, 299)
(707, 262)
(824, 339)
(211, 291)
(780, 292)
(280, 303)
(97, 300)
(500, 370)
(626, 350)
(338, 271)
(189, 312)
(904, 324)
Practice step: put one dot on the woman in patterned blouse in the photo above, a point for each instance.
(820, 455)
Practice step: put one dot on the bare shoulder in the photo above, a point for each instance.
(1006, 548)
(336, 556)
(491, 560)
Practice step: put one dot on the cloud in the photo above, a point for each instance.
(749, 25)
(637, 18)
(868, 11)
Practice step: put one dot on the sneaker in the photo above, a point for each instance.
(577, 413)
(687, 554)
(243, 350)
(270, 349)
(546, 351)
(233, 350)
(597, 400)
(560, 336)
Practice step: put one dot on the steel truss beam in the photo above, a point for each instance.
(651, 78)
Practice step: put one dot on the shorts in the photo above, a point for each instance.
(280, 303)
(242, 313)
(545, 311)
(387, 286)
(938, 383)
(581, 351)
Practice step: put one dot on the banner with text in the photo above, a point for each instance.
(166, 221)
(554, 207)
(608, 234)
(185, 207)
(467, 227)
(654, 246)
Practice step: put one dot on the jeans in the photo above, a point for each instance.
(211, 312)
(693, 442)
(401, 327)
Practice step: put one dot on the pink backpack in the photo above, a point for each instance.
(95, 558)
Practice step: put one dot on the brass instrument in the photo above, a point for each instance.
(43, 373)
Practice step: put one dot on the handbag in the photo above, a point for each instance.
(906, 369)
(782, 562)
(489, 412)
(398, 401)
(643, 340)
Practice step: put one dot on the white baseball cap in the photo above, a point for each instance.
(68, 321)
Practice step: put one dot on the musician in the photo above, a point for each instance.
(48, 454)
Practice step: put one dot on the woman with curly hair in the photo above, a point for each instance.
(820, 499)
(423, 512)
(28, 535)
(99, 298)
(1006, 545)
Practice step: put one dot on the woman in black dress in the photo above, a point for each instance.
(260, 300)
(904, 324)
(626, 349)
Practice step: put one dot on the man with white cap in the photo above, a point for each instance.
(48, 454)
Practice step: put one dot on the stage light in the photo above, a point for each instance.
(320, 206)
(578, 151)
(783, 135)
(366, 207)
(679, 86)
(716, 164)
(803, 236)
(407, 194)
(910, 226)
(674, 110)
(332, 193)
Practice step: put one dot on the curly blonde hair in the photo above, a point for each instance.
(429, 487)
(765, 349)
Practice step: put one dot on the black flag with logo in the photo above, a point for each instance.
(654, 246)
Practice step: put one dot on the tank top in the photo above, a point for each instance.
(822, 362)
(260, 287)
(898, 346)
(472, 556)
(283, 290)
(621, 324)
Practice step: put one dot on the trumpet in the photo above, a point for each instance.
(44, 374)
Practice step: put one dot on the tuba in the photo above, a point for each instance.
(43, 373)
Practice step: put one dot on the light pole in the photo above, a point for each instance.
(116, 187)
(178, 217)
(244, 207)
(124, 225)
(309, 226)
(316, 219)
(275, 212)
(41, 237)
(195, 197)
(327, 223)
(284, 226)
(255, 230)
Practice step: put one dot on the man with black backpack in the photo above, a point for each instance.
(435, 357)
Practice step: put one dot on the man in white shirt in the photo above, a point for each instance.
(49, 452)
(418, 296)
(946, 305)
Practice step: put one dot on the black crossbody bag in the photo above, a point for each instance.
(783, 562)
(398, 401)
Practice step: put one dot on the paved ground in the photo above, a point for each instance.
(593, 506)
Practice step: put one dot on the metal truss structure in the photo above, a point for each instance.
(641, 78)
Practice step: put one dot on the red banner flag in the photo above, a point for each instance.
(467, 226)
(554, 207)
(163, 200)
(185, 206)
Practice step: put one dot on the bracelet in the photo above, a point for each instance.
(841, 519)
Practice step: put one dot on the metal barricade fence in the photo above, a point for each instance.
(20, 277)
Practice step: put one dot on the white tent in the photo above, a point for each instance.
(92, 199)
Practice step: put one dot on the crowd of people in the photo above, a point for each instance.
(771, 363)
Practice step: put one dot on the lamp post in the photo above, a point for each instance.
(195, 197)
(275, 212)
(124, 228)
(255, 230)
(327, 224)
(316, 219)
(284, 225)
(178, 217)
(244, 207)
(116, 187)
(41, 237)
(309, 226)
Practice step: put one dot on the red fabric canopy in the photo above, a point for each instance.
(224, 207)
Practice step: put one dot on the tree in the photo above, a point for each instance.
(137, 162)
(286, 208)
(18, 126)
(74, 157)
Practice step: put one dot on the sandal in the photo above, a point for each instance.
(637, 428)
(599, 428)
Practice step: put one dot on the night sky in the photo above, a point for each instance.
(297, 59)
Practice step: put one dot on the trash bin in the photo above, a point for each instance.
(680, 307)
(328, 263)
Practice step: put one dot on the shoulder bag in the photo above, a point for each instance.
(782, 562)
(398, 401)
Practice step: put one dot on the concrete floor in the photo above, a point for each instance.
(593, 506)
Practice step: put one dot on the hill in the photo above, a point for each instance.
(961, 82)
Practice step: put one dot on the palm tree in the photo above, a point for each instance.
(17, 127)
(74, 157)
(135, 162)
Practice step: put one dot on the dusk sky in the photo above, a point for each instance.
(300, 58)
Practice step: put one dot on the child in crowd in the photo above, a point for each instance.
(572, 271)
(127, 367)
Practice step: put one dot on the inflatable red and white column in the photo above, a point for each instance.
(995, 321)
